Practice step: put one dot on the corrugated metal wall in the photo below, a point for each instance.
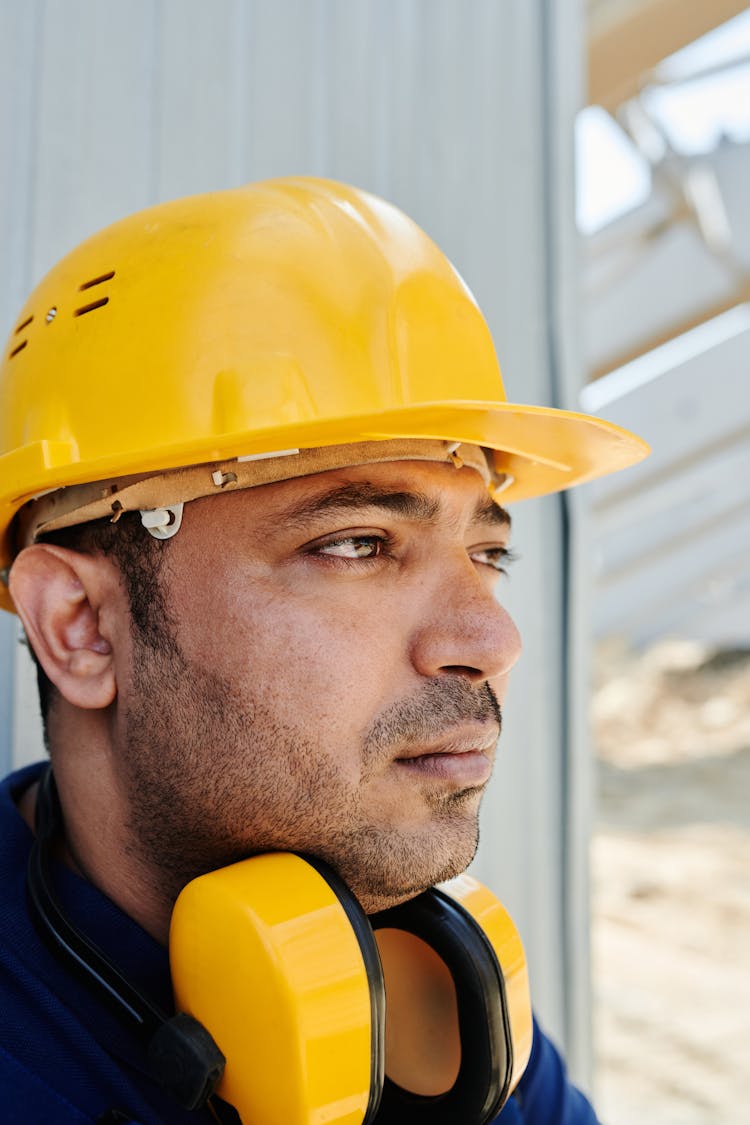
(461, 113)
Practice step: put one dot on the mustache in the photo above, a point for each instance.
(441, 704)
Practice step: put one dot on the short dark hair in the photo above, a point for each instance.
(140, 559)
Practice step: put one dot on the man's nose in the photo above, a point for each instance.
(465, 631)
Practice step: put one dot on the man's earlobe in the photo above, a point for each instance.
(58, 594)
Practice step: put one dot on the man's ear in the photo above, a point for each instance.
(58, 594)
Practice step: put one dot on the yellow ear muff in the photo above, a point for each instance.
(488, 913)
(459, 1026)
(275, 956)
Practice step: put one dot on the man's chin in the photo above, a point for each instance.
(376, 894)
(373, 903)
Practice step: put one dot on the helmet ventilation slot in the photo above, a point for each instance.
(90, 308)
(22, 343)
(99, 280)
(96, 281)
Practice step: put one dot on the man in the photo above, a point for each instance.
(253, 445)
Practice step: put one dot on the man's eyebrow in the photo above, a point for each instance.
(402, 502)
(490, 512)
(349, 497)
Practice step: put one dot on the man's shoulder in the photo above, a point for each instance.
(63, 1056)
(14, 784)
(15, 835)
(28, 1097)
(545, 1094)
(45, 1051)
(15, 843)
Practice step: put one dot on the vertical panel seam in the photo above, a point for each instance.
(550, 251)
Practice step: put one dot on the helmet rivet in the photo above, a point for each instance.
(51, 314)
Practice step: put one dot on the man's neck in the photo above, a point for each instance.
(96, 842)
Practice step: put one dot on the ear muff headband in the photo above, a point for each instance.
(486, 1065)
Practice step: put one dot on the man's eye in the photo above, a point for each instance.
(499, 558)
(352, 547)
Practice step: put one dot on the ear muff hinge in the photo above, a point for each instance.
(187, 1060)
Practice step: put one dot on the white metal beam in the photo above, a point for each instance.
(628, 38)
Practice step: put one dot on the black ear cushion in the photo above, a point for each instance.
(482, 1085)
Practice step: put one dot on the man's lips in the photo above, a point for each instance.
(463, 758)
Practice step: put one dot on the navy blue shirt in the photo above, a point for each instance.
(64, 1059)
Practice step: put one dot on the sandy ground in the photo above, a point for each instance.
(671, 887)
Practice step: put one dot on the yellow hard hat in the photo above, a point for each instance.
(294, 313)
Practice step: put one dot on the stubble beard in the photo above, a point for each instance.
(210, 779)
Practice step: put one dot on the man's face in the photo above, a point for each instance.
(333, 680)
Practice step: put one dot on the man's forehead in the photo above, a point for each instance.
(421, 491)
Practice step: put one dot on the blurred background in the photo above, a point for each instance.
(587, 167)
(663, 207)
